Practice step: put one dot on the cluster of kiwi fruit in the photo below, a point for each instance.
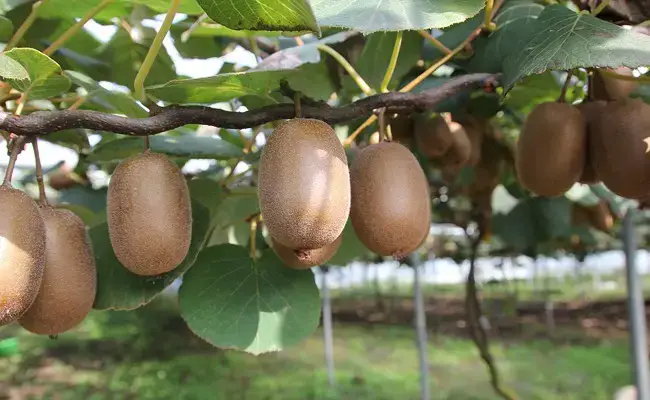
(48, 278)
(307, 193)
(598, 140)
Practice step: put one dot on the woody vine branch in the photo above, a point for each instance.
(170, 117)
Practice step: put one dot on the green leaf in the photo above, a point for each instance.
(119, 102)
(271, 15)
(533, 90)
(560, 39)
(197, 46)
(209, 193)
(6, 28)
(11, 69)
(374, 59)
(313, 81)
(190, 7)
(189, 146)
(119, 289)
(76, 139)
(351, 247)
(378, 15)
(68, 9)
(257, 307)
(45, 76)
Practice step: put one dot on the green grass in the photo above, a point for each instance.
(144, 355)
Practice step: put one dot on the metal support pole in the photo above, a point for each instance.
(421, 329)
(636, 310)
(327, 327)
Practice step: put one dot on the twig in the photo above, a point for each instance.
(348, 68)
(171, 117)
(138, 83)
(16, 149)
(565, 87)
(39, 174)
(437, 43)
(24, 27)
(75, 28)
(478, 334)
(187, 33)
(602, 6)
(382, 124)
(391, 64)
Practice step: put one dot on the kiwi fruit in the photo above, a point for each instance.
(149, 214)
(391, 206)
(475, 134)
(618, 150)
(304, 184)
(458, 154)
(598, 216)
(432, 135)
(22, 253)
(609, 88)
(402, 129)
(551, 149)
(308, 259)
(69, 283)
(589, 110)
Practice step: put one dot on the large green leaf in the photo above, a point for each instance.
(46, 78)
(118, 102)
(380, 15)
(560, 39)
(351, 247)
(12, 70)
(189, 146)
(271, 15)
(76, 139)
(6, 28)
(258, 306)
(69, 9)
(190, 7)
(119, 289)
(374, 59)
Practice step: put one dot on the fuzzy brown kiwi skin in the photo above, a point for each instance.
(459, 153)
(590, 109)
(618, 149)
(402, 128)
(551, 149)
(304, 184)
(610, 88)
(391, 206)
(22, 253)
(432, 135)
(149, 214)
(303, 259)
(69, 282)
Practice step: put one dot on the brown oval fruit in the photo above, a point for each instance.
(69, 282)
(149, 214)
(460, 150)
(432, 135)
(618, 147)
(22, 253)
(304, 184)
(306, 258)
(609, 88)
(590, 110)
(401, 129)
(551, 149)
(391, 208)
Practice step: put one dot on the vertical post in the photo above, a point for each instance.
(327, 326)
(421, 329)
(636, 310)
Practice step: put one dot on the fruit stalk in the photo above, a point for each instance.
(17, 148)
(138, 83)
(39, 174)
(24, 27)
(253, 237)
(348, 68)
(392, 63)
(600, 8)
(75, 28)
(565, 87)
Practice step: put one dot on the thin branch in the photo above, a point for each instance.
(565, 87)
(348, 68)
(17, 147)
(602, 6)
(185, 36)
(172, 117)
(489, 6)
(39, 174)
(22, 29)
(437, 43)
(391, 64)
(75, 28)
(138, 83)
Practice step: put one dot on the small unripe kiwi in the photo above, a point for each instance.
(303, 259)
(432, 135)
(551, 149)
(69, 283)
(391, 207)
(609, 88)
(460, 150)
(22, 253)
(149, 214)
(304, 184)
(618, 149)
